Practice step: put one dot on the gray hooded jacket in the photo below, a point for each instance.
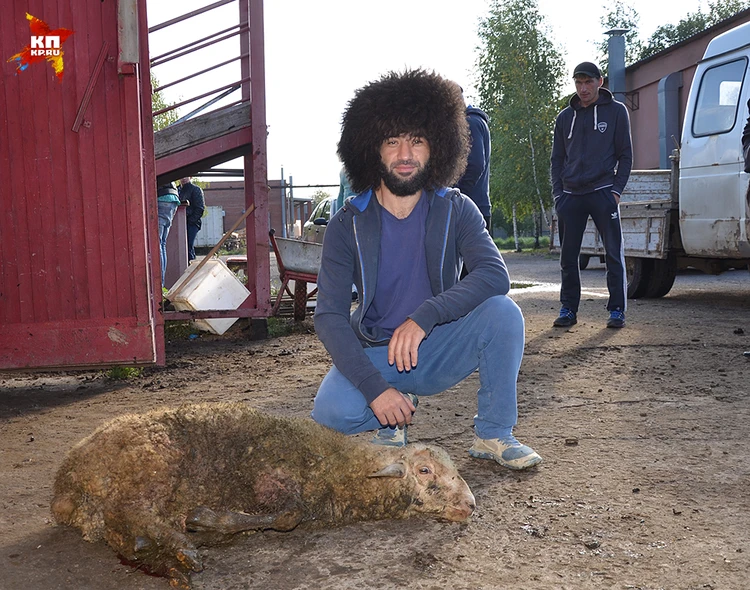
(455, 232)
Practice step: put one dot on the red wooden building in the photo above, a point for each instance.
(79, 253)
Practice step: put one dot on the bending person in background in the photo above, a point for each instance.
(168, 201)
(194, 212)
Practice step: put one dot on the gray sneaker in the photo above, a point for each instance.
(394, 437)
(507, 452)
(390, 437)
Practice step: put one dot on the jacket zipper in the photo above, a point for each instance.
(362, 274)
(445, 245)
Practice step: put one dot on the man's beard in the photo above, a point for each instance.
(402, 187)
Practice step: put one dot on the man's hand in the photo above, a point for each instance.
(392, 407)
(616, 196)
(404, 345)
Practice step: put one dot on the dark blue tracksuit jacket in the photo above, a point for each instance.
(455, 234)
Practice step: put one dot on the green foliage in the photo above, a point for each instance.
(282, 326)
(622, 15)
(123, 373)
(318, 196)
(157, 103)
(520, 74)
(179, 330)
(693, 23)
(525, 243)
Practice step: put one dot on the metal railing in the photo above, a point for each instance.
(205, 45)
(191, 65)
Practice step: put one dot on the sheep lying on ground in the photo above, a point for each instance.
(157, 486)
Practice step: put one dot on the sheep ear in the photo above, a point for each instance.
(392, 470)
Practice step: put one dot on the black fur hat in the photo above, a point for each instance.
(416, 102)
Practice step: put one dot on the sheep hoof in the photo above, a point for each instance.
(190, 559)
(178, 579)
(287, 520)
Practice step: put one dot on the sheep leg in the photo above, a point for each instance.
(147, 542)
(226, 522)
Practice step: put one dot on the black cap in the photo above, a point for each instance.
(587, 69)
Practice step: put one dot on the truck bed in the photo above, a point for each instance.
(645, 207)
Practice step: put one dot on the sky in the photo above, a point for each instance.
(317, 53)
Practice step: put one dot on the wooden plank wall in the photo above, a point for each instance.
(73, 251)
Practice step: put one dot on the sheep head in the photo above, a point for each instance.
(436, 486)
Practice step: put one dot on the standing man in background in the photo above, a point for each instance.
(345, 189)
(475, 183)
(194, 212)
(590, 165)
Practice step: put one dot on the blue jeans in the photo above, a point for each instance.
(490, 338)
(166, 215)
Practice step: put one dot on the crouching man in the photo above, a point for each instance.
(417, 330)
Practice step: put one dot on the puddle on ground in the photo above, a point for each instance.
(520, 287)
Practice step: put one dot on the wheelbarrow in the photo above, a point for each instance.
(297, 261)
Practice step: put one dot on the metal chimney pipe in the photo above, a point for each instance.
(616, 50)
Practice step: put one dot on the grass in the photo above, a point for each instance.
(123, 373)
(525, 243)
(179, 330)
(234, 252)
(281, 326)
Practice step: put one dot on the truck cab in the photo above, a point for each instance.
(714, 213)
(713, 203)
(698, 213)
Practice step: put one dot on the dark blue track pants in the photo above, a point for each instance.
(573, 212)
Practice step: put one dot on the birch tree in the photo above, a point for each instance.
(520, 77)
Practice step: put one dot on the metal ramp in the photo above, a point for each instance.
(227, 120)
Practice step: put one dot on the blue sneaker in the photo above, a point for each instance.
(566, 318)
(394, 437)
(616, 319)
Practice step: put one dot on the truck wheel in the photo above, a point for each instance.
(639, 273)
(663, 273)
(583, 261)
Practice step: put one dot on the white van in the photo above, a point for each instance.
(713, 202)
(698, 213)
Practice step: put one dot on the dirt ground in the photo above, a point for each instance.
(645, 482)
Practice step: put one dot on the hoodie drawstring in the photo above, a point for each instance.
(572, 124)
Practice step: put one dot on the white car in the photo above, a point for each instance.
(314, 228)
